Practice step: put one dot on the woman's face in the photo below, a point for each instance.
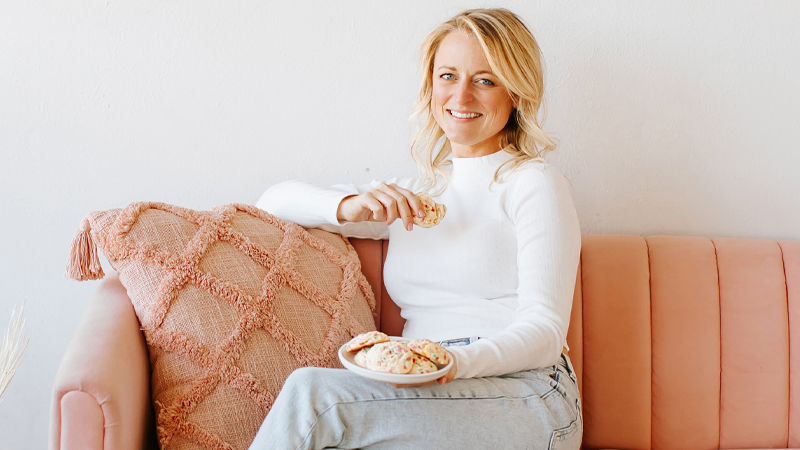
(468, 101)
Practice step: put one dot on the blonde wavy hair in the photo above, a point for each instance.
(515, 58)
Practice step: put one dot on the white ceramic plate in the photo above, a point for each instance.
(399, 378)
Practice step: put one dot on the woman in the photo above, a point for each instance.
(497, 273)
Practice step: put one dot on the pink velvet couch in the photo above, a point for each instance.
(678, 342)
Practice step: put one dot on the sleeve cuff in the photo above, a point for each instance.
(329, 202)
(462, 361)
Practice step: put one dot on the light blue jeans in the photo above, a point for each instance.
(334, 408)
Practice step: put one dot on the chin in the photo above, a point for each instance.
(461, 138)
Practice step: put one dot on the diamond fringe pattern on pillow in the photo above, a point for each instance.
(220, 363)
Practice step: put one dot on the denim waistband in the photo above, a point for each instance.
(459, 342)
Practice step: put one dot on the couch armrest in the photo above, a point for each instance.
(101, 394)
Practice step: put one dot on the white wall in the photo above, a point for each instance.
(674, 117)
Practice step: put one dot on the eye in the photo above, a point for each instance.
(486, 82)
(447, 76)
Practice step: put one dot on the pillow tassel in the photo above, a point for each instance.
(84, 264)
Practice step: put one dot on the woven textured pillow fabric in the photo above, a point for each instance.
(231, 301)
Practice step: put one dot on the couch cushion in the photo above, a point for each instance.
(616, 342)
(754, 332)
(791, 264)
(230, 302)
(684, 305)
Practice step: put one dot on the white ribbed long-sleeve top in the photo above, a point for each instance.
(501, 265)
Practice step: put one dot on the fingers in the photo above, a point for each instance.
(416, 204)
(401, 203)
(359, 208)
(391, 205)
(374, 206)
(384, 203)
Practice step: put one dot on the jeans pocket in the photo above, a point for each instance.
(569, 437)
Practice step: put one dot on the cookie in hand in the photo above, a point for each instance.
(434, 212)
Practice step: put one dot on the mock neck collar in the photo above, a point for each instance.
(479, 167)
(497, 157)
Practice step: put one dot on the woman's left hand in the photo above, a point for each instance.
(446, 378)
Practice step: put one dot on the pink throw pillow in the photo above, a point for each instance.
(230, 301)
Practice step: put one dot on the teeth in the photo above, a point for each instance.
(464, 116)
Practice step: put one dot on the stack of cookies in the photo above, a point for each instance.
(375, 351)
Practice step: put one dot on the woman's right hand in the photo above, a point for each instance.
(384, 203)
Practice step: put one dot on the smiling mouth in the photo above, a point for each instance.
(459, 115)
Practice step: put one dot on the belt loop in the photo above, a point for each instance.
(568, 366)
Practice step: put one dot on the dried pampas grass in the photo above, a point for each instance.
(11, 353)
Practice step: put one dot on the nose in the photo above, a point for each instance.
(463, 93)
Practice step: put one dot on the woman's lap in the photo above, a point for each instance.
(334, 408)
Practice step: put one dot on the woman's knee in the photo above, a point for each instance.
(323, 385)
(302, 377)
(307, 380)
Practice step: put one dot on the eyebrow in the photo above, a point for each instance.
(456, 70)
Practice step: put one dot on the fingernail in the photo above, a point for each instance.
(420, 213)
(409, 227)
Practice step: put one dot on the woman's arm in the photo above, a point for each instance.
(548, 251)
(363, 211)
